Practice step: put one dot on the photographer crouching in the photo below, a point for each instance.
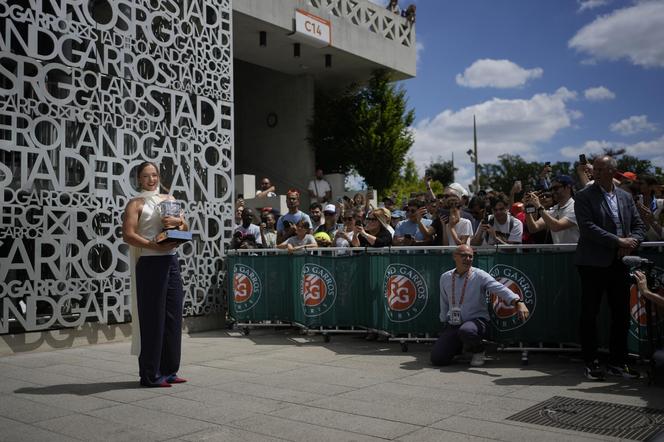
(658, 300)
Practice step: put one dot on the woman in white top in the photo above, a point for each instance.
(157, 293)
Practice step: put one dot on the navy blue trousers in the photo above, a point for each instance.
(454, 338)
(160, 297)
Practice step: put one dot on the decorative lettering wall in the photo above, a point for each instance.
(89, 90)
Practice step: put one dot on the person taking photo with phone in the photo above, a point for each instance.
(560, 220)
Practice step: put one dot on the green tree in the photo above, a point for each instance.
(510, 168)
(441, 171)
(365, 129)
(381, 135)
(409, 182)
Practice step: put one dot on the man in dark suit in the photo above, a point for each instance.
(610, 228)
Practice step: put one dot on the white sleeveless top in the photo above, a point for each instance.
(149, 224)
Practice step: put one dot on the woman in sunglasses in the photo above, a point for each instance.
(345, 233)
(376, 233)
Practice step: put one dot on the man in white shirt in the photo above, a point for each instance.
(319, 188)
(501, 228)
(560, 219)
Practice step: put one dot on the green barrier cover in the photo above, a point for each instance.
(260, 288)
(399, 293)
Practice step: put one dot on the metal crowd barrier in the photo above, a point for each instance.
(394, 292)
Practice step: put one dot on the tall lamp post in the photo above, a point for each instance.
(472, 153)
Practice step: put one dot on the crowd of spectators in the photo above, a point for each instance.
(541, 212)
(408, 13)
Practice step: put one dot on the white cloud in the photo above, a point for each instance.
(633, 125)
(419, 48)
(503, 126)
(598, 94)
(649, 150)
(635, 33)
(496, 73)
(591, 4)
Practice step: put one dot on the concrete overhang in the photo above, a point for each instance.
(365, 37)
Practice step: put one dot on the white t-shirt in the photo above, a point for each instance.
(340, 241)
(319, 188)
(512, 236)
(463, 228)
(253, 229)
(295, 241)
(570, 235)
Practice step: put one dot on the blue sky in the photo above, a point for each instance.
(546, 79)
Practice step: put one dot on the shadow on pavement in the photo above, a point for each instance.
(80, 389)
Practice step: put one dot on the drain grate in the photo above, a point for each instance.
(624, 421)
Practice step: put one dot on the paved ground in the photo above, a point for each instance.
(280, 385)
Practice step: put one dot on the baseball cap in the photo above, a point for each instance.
(398, 214)
(626, 176)
(565, 180)
(458, 189)
(330, 208)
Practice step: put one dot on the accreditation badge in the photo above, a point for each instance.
(455, 315)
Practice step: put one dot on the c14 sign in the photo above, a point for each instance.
(311, 29)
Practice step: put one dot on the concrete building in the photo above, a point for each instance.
(274, 85)
(206, 88)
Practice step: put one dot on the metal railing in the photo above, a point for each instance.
(517, 248)
(375, 18)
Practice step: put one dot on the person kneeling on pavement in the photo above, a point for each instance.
(463, 309)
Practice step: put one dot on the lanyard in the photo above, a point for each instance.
(463, 289)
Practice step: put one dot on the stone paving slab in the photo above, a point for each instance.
(281, 385)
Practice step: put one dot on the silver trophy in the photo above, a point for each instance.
(172, 208)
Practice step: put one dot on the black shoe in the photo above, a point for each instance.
(623, 370)
(593, 371)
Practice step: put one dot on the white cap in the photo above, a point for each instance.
(330, 208)
(458, 189)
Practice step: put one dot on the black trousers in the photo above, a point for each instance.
(614, 281)
(455, 338)
(160, 296)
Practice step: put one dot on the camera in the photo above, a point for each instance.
(443, 212)
(358, 222)
(531, 209)
(582, 159)
(654, 274)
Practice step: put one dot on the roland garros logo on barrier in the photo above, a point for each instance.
(638, 324)
(504, 316)
(318, 290)
(405, 293)
(247, 287)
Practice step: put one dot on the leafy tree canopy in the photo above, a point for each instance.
(441, 171)
(366, 129)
